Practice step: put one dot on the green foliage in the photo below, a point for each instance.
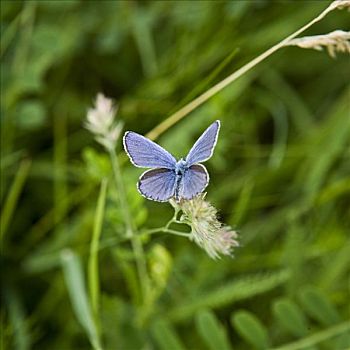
(279, 176)
(160, 265)
(93, 265)
(211, 331)
(251, 329)
(226, 294)
(74, 278)
(318, 306)
(20, 330)
(97, 164)
(12, 198)
(165, 336)
(290, 316)
(31, 115)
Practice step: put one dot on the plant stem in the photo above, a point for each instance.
(93, 274)
(317, 337)
(60, 187)
(26, 23)
(131, 232)
(112, 242)
(188, 108)
(13, 196)
(173, 219)
(9, 33)
(165, 230)
(177, 233)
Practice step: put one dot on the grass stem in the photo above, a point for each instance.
(131, 231)
(60, 149)
(12, 198)
(93, 274)
(317, 337)
(188, 108)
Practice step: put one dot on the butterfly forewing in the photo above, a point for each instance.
(145, 153)
(194, 181)
(203, 149)
(157, 184)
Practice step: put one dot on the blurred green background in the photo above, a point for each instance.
(279, 175)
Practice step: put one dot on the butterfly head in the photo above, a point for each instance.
(180, 167)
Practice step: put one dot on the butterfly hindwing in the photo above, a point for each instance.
(203, 149)
(194, 181)
(145, 153)
(157, 184)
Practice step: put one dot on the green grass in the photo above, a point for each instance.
(71, 276)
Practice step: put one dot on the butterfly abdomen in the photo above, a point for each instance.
(178, 185)
(180, 169)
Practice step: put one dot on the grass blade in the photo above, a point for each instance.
(73, 274)
(211, 331)
(188, 108)
(317, 305)
(21, 334)
(60, 166)
(239, 289)
(93, 275)
(317, 337)
(165, 336)
(290, 317)
(12, 198)
(251, 329)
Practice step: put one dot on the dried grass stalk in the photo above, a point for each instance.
(336, 41)
(341, 4)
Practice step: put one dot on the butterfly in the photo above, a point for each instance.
(169, 178)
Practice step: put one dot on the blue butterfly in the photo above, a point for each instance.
(182, 179)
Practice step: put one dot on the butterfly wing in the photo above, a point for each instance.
(194, 181)
(145, 153)
(203, 149)
(157, 184)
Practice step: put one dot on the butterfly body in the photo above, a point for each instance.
(180, 167)
(169, 178)
(180, 170)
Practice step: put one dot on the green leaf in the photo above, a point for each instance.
(337, 268)
(74, 278)
(251, 329)
(97, 164)
(30, 115)
(239, 289)
(290, 316)
(165, 336)
(211, 331)
(160, 264)
(318, 306)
